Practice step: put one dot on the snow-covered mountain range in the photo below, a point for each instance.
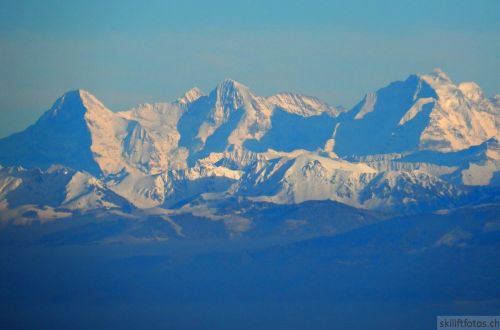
(419, 145)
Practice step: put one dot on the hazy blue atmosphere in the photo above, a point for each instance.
(238, 208)
(128, 52)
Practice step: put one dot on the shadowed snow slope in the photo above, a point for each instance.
(424, 112)
(60, 136)
(416, 145)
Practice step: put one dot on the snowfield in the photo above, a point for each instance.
(418, 145)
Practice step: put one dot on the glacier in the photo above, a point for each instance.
(229, 210)
(420, 145)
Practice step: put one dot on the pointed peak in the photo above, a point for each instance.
(230, 86)
(89, 100)
(190, 96)
(231, 93)
(69, 102)
(70, 95)
(76, 94)
(76, 101)
(85, 94)
(230, 82)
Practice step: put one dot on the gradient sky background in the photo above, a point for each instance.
(130, 52)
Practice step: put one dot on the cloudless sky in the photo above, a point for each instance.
(129, 52)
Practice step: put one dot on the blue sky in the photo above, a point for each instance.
(128, 52)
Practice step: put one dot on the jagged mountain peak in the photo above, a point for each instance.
(76, 102)
(69, 101)
(303, 105)
(231, 93)
(89, 100)
(436, 76)
(191, 95)
(150, 154)
(423, 112)
(229, 84)
(81, 94)
(77, 131)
